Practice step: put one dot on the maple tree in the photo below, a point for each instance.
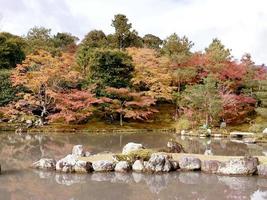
(131, 105)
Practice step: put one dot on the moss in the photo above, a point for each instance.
(142, 154)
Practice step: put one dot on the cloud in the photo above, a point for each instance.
(240, 24)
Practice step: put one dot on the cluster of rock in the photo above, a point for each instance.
(158, 162)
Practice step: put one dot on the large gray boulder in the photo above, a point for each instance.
(78, 150)
(138, 166)
(210, 166)
(103, 166)
(239, 166)
(188, 163)
(158, 163)
(131, 147)
(45, 163)
(123, 166)
(83, 167)
(262, 170)
(66, 164)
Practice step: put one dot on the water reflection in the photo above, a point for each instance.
(17, 152)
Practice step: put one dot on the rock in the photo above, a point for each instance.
(67, 163)
(189, 163)
(87, 154)
(223, 125)
(183, 132)
(239, 166)
(241, 134)
(122, 166)
(45, 163)
(131, 147)
(103, 166)
(77, 150)
(262, 170)
(264, 131)
(158, 163)
(174, 147)
(175, 165)
(249, 140)
(210, 166)
(138, 166)
(29, 123)
(83, 167)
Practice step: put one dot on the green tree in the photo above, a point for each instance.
(95, 39)
(39, 38)
(83, 58)
(110, 68)
(178, 49)
(217, 52)
(64, 40)
(124, 36)
(204, 99)
(152, 41)
(7, 92)
(11, 50)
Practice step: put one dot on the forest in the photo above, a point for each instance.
(123, 77)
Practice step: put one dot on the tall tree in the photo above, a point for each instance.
(204, 99)
(110, 68)
(95, 39)
(178, 49)
(124, 36)
(39, 38)
(65, 41)
(152, 41)
(217, 53)
(11, 50)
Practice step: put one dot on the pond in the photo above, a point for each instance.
(17, 152)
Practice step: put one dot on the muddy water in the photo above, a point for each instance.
(17, 152)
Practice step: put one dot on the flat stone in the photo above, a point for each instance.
(262, 170)
(241, 134)
(189, 163)
(123, 166)
(138, 166)
(210, 166)
(103, 166)
(131, 147)
(239, 166)
(45, 163)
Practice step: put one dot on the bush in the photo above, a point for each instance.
(183, 124)
(7, 92)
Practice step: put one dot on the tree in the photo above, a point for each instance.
(124, 36)
(130, 105)
(43, 75)
(95, 39)
(217, 53)
(152, 41)
(74, 106)
(204, 99)
(110, 68)
(65, 41)
(178, 49)
(39, 38)
(151, 73)
(11, 50)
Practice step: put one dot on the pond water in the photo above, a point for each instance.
(17, 181)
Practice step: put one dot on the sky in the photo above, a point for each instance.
(241, 25)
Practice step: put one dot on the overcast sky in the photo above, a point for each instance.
(240, 24)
